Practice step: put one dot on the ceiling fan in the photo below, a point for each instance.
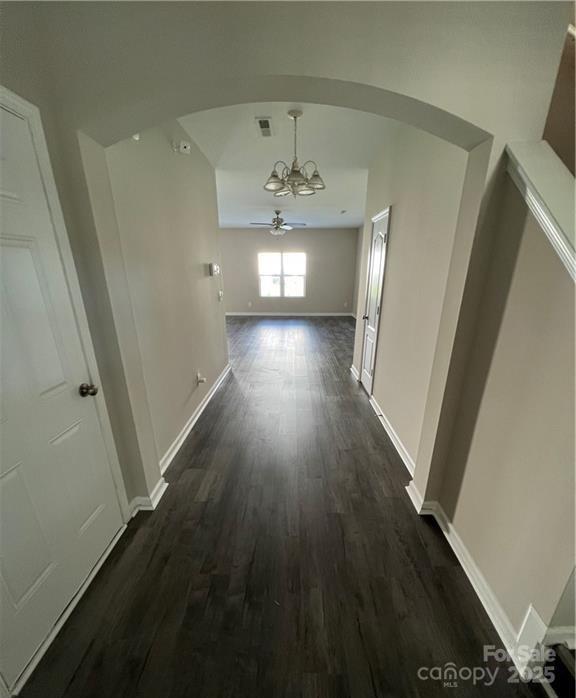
(279, 227)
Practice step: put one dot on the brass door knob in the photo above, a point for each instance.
(87, 389)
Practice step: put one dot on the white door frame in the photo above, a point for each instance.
(20, 107)
(381, 214)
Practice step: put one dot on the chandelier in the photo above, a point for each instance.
(298, 180)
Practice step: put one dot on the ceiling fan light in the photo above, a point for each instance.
(283, 192)
(316, 182)
(277, 231)
(273, 183)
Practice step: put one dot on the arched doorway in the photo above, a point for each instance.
(116, 125)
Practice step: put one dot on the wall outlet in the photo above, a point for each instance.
(249, 304)
(220, 295)
(345, 304)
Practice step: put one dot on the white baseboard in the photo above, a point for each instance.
(561, 635)
(354, 372)
(289, 314)
(168, 457)
(533, 629)
(416, 497)
(157, 492)
(151, 502)
(41, 651)
(402, 450)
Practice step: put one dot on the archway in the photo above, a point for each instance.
(120, 123)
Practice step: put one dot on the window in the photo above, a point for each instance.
(282, 274)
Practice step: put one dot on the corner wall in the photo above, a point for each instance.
(421, 178)
(115, 334)
(165, 205)
(508, 485)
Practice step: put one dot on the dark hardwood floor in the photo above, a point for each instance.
(285, 558)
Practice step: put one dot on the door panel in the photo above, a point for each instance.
(26, 556)
(374, 298)
(30, 317)
(58, 504)
(374, 284)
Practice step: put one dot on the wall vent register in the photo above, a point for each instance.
(264, 124)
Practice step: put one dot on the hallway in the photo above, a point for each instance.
(285, 558)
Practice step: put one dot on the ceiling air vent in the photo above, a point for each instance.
(264, 124)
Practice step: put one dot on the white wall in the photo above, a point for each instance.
(421, 178)
(115, 333)
(509, 483)
(331, 266)
(565, 612)
(491, 64)
(165, 205)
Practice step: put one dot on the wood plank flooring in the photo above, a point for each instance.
(285, 558)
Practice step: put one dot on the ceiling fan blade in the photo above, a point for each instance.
(285, 226)
(268, 224)
(298, 225)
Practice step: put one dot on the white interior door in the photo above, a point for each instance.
(371, 317)
(58, 504)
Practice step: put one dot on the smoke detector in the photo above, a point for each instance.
(264, 126)
(182, 147)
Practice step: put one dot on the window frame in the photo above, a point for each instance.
(269, 276)
(282, 275)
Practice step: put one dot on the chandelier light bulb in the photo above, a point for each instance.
(273, 183)
(316, 182)
(295, 178)
(305, 189)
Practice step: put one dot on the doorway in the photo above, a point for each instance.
(371, 317)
